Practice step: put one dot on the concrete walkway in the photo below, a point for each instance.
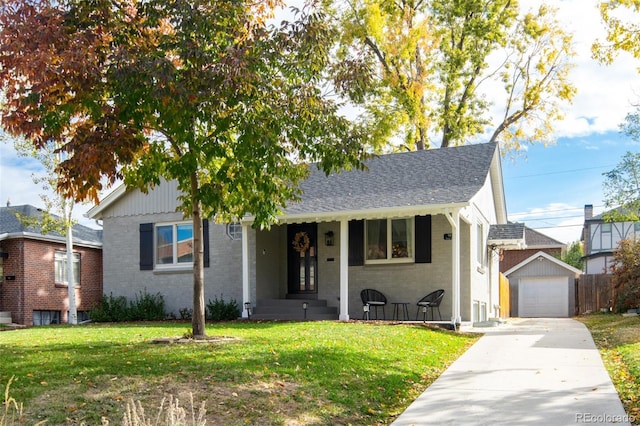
(525, 372)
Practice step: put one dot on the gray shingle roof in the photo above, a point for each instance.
(507, 231)
(419, 178)
(535, 238)
(9, 224)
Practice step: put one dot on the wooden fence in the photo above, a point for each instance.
(594, 292)
(505, 298)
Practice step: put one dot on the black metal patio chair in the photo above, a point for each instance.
(372, 298)
(430, 301)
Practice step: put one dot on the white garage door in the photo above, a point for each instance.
(543, 297)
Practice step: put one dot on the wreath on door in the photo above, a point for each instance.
(301, 242)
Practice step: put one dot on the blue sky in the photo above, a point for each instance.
(548, 187)
(545, 187)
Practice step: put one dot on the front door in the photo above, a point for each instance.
(302, 258)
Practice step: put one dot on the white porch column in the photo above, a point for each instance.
(454, 220)
(344, 270)
(246, 295)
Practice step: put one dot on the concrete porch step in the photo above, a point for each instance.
(291, 309)
(5, 318)
(290, 303)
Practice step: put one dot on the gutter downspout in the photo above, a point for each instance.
(453, 216)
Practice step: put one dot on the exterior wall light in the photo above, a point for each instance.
(329, 238)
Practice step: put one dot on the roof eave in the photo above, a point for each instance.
(508, 244)
(96, 211)
(497, 184)
(381, 213)
(49, 238)
(545, 256)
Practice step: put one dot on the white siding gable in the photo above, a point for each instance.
(606, 236)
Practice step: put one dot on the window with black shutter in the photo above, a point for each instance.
(170, 244)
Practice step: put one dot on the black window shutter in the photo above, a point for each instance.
(146, 246)
(423, 239)
(356, 242)
(205, 241)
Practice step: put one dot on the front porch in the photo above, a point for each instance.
(279, 276)
(317, 310)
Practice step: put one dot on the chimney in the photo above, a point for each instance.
(588, 211)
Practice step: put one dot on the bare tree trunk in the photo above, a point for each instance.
(198, 319)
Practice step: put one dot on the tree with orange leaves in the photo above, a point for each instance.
(203, 92)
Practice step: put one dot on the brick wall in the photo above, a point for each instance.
(512, 257)
(31, 262)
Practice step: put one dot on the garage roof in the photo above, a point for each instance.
(542, 255)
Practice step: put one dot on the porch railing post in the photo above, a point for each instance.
(344, 270)
(246, 294)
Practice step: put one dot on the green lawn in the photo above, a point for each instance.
(266, 373)
(618, 339)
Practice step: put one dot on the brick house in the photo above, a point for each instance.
(534, 242)
(33, 270)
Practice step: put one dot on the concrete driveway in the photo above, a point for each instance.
(525, 372)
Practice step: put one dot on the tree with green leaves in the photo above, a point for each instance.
(621, 186)
(621, 189)
(57, 215)
(420, 67)
(203, 92)
(574, 255)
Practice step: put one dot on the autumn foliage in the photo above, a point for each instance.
(626, 274)
(203, 92)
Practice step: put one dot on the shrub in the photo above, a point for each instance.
(626, 274)
(219, 310)
(186, 313)
(145, 307)
(110, 309)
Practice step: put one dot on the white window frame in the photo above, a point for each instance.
(60, 268)
(389, 246)
(234, 231)
(175, 264)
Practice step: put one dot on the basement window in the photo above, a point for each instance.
(41, 317)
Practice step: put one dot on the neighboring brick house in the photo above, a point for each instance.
(33, 270)
(534, 242)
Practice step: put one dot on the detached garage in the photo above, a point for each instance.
(542, 286)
